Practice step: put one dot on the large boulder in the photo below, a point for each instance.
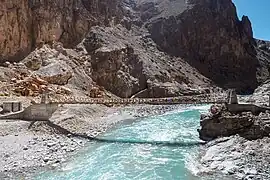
(114, 64)
(223, 123)
(40, 57)
(221, 126)
(55, 73)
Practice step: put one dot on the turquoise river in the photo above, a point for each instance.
(143, 161)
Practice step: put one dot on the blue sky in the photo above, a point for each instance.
(258, 12)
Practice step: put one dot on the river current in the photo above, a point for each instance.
(139, 158)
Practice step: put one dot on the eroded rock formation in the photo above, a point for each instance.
(128, 65)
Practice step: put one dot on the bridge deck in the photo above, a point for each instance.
(155, 101)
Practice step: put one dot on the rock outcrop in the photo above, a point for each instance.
(226, 123)
(56, 73)
(51, 69)
(263, 54)
(235, 158)
(128, 65)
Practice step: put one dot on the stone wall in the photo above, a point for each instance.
(36, 112)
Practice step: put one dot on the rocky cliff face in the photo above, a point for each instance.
(24, 24)
(208, 34)
(142, 48)
(128, 63)
(263, 54)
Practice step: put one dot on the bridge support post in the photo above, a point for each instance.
(269, 100)
(12, 106)
(44, 98)
(232, 97)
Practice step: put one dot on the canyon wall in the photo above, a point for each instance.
(24, 24)
(148, 48)
(209, 35)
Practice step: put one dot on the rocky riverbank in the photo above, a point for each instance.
(224, 123)
(27, 148)
(239, 143)
(236, 158)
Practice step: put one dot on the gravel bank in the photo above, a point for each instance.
(236, 158)
(23, 149)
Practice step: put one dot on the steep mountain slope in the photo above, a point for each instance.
(208, 35)
(263, 54)
(128, 63)
(143, 48)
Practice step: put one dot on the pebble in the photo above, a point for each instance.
(32, 142)
(46, 159)
(54, 165)
(39, 150)
(249, 177)
(252, 153)
(70, 150)
(7, 156)
(51, 144)
(232, 171)
(252, 172)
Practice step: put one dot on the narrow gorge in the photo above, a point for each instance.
(130, 51)
(146, 48)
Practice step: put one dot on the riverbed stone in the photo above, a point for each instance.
(46, 159)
